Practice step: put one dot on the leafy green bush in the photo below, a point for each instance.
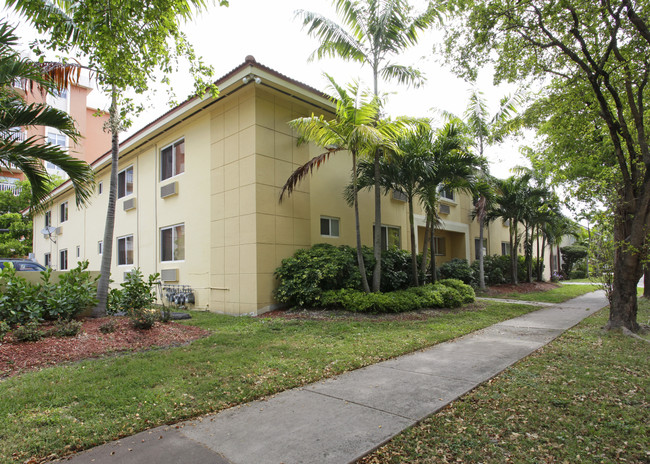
(451, 297)
(496, 268)
(137, 294)
(75, 292)
(570, 255)
(396, 272)
(309, 272)
(108, 327)
(143, 318)
(457, 269)
(18, 298)
(65, 328)
(522, 270)
(114, 301)
(4, 329)
(28, 332)
(465, 291)
(428, 296)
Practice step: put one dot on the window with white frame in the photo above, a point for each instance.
(47, 260)
(476, 245)
(172, 243)
(172, 159)
(55, 137)
(125, 250)
(440, 246)
(100, 247)
(505, 248)
(329, 226)
(64, 212)
(125, 182)
(446, 193)
(390, 237)
(63, 260)
(48, 218)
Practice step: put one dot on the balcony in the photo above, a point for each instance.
(9, 187)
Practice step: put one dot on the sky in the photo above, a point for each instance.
(270, 32)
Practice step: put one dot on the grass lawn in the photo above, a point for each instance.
(583, 398)
(61, 409)
(556, 295)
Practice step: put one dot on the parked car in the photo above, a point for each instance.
(22, 264)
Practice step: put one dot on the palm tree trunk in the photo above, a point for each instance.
(528, 252)
(362, 266)
(107, 245)
(481, 270)
(425, 249)
(414, 252)
(376, 274)
(539, 274)
(433, 252)
(513, 255)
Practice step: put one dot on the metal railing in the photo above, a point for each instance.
(8, 187)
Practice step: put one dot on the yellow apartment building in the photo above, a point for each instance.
(198, 192)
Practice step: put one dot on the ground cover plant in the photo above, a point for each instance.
(583, 398)
(58, 410)
(556, 295)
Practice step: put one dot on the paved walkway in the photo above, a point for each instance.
(341, 419)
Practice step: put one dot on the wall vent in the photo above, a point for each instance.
(58, 231)
(129, 204)
(399, 196)
(169, 190)
(444, 209)
(169, 275)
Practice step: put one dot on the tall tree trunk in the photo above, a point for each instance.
(646, 281)
(481, 270)
(376, 274)
(107, 245)
(414, 252)
(433, 252)
(528, 244)
(513, 255)
(425, 248)
(362, 266)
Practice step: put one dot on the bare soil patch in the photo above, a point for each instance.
(520, 288)
(17, 357)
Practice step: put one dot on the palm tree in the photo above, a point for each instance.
(483, 192)
(354, 129)
(372, 33)
(29, 153)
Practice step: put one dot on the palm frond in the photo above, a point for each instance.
(303, 171)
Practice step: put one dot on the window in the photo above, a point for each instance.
(78, 251)
(64, 211)
(447, 194)
(329, 227)
(48, 218)
(100, 187)
(57, 138)
(47, 260)
(390, 237)
(100, 247)
(172, 160)
(505, 248)
(476, 245)
(125, 250)
(125, 182)
(63, 260)
(440, 246)
(172, 243)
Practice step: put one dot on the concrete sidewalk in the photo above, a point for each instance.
(341, 419)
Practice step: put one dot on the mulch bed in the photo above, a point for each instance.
(520, 288)
(16, 357)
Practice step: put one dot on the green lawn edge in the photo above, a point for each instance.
(556, 295)
(58, 410)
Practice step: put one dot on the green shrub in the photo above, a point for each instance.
(136, 294)
(65, 328)
(4, 329)
(357, 301)
(108, 327)
(396, 272)
(28, 332)
(143, 318)
(522, 270)
(428, 296)
(75, 292)
(451, 298)
(496, 269)
(457, 269)
(465, 291)
(114, 301)
(309, 272)
(18, 298)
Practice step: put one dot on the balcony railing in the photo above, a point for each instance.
(8, 187)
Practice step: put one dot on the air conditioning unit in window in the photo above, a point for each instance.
(169, 275)
(169, 190)
(444, 209)
(399, 196)
(129, 204)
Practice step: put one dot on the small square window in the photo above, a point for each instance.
(125, 250)
(390, 237)
(64, 211)
(63, 260)
(125, 182)
(172, 160)
(329, 227)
